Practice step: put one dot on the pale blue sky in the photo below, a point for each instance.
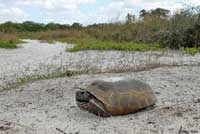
(82, 11)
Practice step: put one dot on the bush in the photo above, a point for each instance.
(184, 31)
(172, 40)
(176, 39)
(192, 37)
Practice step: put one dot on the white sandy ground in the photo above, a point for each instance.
(41, 107)
(35, 58)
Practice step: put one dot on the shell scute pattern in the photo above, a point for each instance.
(124, 96)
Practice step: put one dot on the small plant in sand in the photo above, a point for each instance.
(191, 51)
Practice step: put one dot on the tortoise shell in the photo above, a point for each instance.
(123, 96)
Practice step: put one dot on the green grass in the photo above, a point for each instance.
(32, 78)
(9, 44)
(104, 45)
(93, 44)
(191, 51)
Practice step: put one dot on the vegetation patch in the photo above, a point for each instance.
(93, 44)
(31, 78)
(191, 51)
(8, 44)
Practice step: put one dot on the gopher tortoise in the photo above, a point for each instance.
(112, 98)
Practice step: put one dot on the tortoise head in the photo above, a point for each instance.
(86, 101)
(83, 96)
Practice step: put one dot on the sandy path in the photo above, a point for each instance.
(43, 106)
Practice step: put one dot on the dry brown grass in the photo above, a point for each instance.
(8, 37)
(59, 34)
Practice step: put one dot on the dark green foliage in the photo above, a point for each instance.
(29, 26)
(76, 25)
(9, 27)
(55, 26)
(32, 26)
(176, 39)
(184, 31)
(171, 40)
(192, 37)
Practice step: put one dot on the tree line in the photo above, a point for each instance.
(29, 26)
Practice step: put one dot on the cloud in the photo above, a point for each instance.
(61, 11)
(55, 4)
(12, 14)
(118, 9)
(114, 11)
(69, 11)
(150, 4)
(194, 2)
(65, 17)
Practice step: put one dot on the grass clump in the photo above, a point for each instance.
(8, 44)
(191, 51)
(31, 78)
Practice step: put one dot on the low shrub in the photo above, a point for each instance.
(172, 40)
